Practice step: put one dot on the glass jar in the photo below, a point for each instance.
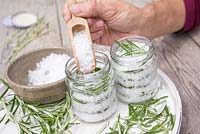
(93, 95)
(135, 75)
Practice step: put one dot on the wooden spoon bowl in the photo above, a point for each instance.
(75, 25)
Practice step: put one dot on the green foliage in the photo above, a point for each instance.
(35, 118)
(146, 117)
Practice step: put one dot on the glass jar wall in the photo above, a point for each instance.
(135, 73)
(93, 95)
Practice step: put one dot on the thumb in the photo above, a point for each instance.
(85, 9)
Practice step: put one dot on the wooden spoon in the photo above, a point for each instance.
(78, 24)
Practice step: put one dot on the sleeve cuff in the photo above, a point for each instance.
(190, 15)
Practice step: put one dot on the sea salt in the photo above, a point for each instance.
(84, 53)
(24, 19)
(50, 69)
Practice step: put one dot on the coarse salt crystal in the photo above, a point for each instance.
(84, 53)
(50, 69)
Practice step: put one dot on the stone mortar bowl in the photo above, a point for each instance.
(17, 77)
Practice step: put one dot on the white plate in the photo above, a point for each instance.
(168, 89)
(173, 101)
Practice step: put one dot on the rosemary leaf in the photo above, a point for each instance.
(13, 104)
(146, 117)
(4, 93)
(2, 118)
(4, 82)
(123, 47)
(132, 44)
(130, 48)
(36, 31)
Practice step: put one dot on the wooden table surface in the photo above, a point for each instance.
(178, 54)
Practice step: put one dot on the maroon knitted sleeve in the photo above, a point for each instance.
(192, 14)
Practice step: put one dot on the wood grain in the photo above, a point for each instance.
(178, 54)
(63, 26)
(195, 34)
(40, 8)
(178, 57)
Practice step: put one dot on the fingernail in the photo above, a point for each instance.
(75, 9)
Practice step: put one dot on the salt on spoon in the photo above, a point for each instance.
(81, 43)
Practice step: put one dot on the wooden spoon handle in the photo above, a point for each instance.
(75, 25)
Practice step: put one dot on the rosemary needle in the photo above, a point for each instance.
(130, 48)
(23, 38)
(145, 117)
(34, 118)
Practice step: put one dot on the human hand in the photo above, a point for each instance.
(108, 20)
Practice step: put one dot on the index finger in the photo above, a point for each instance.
(66, 13)
(80, 1)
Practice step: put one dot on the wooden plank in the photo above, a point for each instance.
(195, 35)
(46, 8)
(178, 57)
(63, 26)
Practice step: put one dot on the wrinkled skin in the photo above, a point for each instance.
(110, 20)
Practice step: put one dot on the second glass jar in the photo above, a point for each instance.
(135, 75)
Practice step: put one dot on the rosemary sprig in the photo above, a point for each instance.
(94, 89)
(21, 38)
(130, 48)
(146, 117)
(7, 88)
(34, 118)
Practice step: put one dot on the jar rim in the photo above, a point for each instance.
(127, 58)
(104, 68)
